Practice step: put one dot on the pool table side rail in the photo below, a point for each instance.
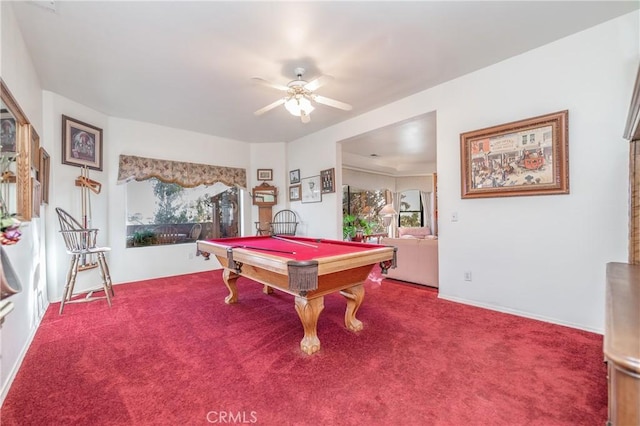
(278, 264)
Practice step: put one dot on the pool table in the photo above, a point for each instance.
(307, 268)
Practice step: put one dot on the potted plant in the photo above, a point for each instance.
(354, 228)
(143, 237)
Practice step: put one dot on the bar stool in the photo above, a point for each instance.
(81, 243)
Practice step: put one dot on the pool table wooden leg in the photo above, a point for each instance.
(309, 311)
(355, 296)
(230, 279)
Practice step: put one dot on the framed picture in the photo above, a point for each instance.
(311, 190)
(294, 176)
(35, 149)
(8, 132)
(81, 144)
(294, 193)
(43, 174)
(327, 178)
(527, 157)
(265, 174)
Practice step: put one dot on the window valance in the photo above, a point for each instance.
(188, 175)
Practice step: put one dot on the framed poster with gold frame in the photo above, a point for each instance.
(527, 157)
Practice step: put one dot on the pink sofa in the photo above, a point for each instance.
(417, 260)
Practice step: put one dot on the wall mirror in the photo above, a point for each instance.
(265, 195)
(15, 157)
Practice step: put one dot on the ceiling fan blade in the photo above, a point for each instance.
(318, 82)
(269, 84)
(332, 102)
(269, 107)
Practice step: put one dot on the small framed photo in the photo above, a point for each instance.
(294, 176)
(311, 190)
(81, 144)
(295, 193)
(265, 174)
(327, 178)
(9, 132)
(527, 157)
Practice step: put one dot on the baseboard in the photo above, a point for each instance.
(519, 313)
(16, 367)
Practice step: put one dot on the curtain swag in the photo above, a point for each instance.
(188, 175)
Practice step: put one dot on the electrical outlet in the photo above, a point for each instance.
(190, 254)
(454, 217)
(467, 275)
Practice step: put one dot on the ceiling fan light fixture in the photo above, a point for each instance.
(300, 96)
(297, 105)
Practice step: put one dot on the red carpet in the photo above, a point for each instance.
(170, 352)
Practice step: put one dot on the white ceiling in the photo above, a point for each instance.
(404, 148)
(188, 64)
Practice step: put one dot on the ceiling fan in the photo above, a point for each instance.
(300, 95)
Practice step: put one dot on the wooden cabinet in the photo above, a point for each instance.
(622, 343)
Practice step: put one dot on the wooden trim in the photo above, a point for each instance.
(632, 129)
(632, 133)
(24, 203)
(634, 202)
(11, 103)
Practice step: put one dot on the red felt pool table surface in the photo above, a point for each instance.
(295, 248)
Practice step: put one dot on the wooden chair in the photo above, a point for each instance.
(166, 234)
(81, 244)
(195, 232)
(284, 223)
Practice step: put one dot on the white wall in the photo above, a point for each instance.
(317, 219)
(64, 194)
(108, 208)
(149, 140)
(369, 181)
(423, 183)
(374, 181)
(27, 257)
(542, 256)
(268, 156)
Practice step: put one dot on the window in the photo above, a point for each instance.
(411, 209)
(360, 210)
(167, 213)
